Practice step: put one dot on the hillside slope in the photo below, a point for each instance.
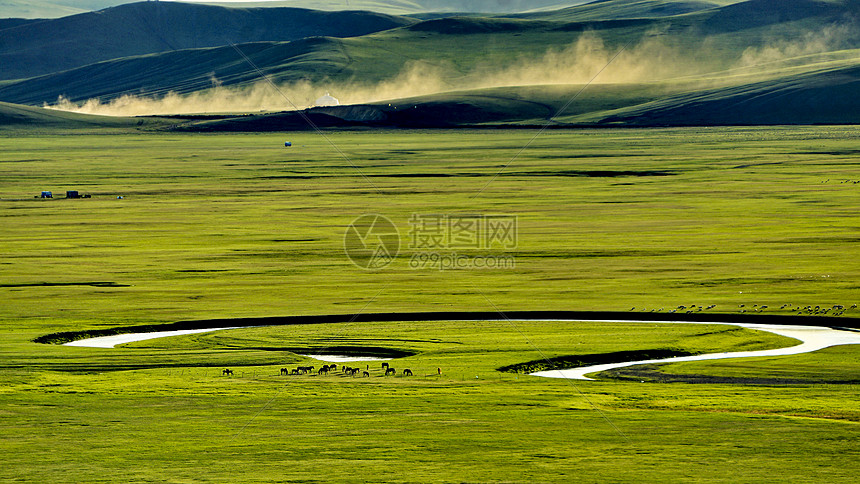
(184, 71)
(18, 117)
(8, 23)
(471, 71)
(60, 8)
(619, 9)
(829, 96)
(40, 48)
(451, 48)
(406, 7)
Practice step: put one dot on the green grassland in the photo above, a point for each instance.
(469, 424)
(215, 226)
(838, 364)
(213, 218)
(237, 225)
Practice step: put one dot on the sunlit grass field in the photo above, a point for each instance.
(239, 225)
(222, 226)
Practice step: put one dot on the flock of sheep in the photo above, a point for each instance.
(835, 310)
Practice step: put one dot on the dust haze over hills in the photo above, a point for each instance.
(645, 62)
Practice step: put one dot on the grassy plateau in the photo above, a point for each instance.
(209, 226)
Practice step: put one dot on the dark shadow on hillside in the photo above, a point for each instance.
(578, 361)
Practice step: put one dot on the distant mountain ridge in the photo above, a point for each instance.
(758, 61)
(60, 8)
(37, 48)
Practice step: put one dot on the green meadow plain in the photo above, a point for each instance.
(237, 225)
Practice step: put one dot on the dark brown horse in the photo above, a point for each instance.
(227, 372)
(407, 372)
(390, 371)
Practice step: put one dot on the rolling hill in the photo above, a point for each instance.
(451, 48)
(29, 118)
(692, 68)
(618, 9)
(407, 7)
(39, 48)
(510, 106)
(59, 8)
(829, 96)
(184, 71)
(8, 23)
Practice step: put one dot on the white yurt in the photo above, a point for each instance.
(327, 100)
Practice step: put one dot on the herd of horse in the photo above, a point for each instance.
(326, 369)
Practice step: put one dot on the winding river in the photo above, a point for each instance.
(812, 338)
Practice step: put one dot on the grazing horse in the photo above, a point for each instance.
(322, 370)
(353, 371)
(227, 372)
(285, 371)
(390, 371)
(364, 373)
(385, 366)
(407, 372)
(332, 366)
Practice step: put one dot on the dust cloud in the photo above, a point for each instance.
(653, 58)
(417, 78)
(835, 37)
